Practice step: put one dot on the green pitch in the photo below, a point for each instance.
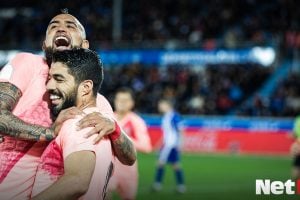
(212, 177)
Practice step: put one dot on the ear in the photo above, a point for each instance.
(86, 88)
(85, 44)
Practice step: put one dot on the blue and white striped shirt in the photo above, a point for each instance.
(171, 129)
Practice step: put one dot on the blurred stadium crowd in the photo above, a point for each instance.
(200, 23)
(212, 90)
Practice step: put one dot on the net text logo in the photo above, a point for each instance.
(268, 187)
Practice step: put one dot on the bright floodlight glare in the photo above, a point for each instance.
(265, 56)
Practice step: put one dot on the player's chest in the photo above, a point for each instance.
(129, 129)
(52, 160)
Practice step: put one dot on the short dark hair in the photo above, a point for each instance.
(83, 64)
(126, 90)
(64, 11)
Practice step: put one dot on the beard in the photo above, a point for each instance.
(69, 101)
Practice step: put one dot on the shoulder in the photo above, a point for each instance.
(69, 125)
(69, 133)
(102, 99)
(103, 105)
(137, 118)
(28, 62)
(24, 56)
(176, 114)
(176, 117)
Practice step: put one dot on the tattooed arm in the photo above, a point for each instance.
(13, 126)
(123, 146)
(124, 149)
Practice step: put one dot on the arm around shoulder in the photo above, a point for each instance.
(79, 168)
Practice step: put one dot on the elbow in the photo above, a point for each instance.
(132, 159)
(81, 191)
(129, 159)
(80, 186)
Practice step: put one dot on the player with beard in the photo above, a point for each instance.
(25, 117)
(72, 166)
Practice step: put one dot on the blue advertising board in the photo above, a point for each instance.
(228, 123)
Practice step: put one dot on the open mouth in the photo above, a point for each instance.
(55, 99)
(62, 43)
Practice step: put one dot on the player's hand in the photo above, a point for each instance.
(295, 148)
(69, 113)
(102, 124)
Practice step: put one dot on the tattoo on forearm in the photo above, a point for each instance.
(124, 150)
(14, 127)
(11, 125)
(9, 96)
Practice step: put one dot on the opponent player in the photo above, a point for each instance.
(125, 178)
(24, 111)
(170, 152)
(71, 165)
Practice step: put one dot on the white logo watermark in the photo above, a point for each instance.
(268, 187)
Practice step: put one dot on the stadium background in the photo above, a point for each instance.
(231, 67)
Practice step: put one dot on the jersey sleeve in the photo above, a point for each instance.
(176, 119)
(104, 106)
(19, 71)
(72, 140)
(142, 140)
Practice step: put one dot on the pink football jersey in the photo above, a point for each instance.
(19, 158)
(71, 141)
(125, 178)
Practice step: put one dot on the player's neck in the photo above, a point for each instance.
(168, 111)
(88, 104)
(121, 115)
